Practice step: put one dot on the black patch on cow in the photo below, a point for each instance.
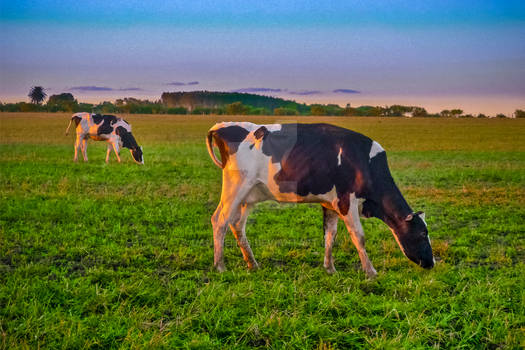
(386, 201)
(261, 133)
(97, 118)
(228, 139)
(308, 155)
(76, 119)
(104, 122)
(233, 136)
(127, 138)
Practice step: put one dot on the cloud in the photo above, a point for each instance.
(90, 88)
(130, 89)
(346, 91)
(257, 90)
(180, 83)
(305, 92)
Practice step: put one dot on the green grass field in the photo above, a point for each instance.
(120, 255)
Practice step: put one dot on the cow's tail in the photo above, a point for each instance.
(76, 118)
(67, 130)
(209, 145)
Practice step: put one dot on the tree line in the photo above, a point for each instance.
(222, 103)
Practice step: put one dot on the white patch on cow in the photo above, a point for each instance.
(122, 123)
(273, 127)
(376, 148)
(245, 125)
(339, 156)
(250, 127)
(422, 216)
(398, 242)
(360, 202)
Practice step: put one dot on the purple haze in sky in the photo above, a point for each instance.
(467, 54)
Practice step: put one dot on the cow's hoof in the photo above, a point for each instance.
(254, 266)
(371, 274)
(220, 268)
(330, 270)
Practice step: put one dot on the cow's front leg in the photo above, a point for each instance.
(330, 218)
(353, 224)
(238, 228)
(116, 149)
(84, 150)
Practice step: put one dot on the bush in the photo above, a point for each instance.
(237, 108)
(419, 112)
(284, 111)
(201, 110)
(177, 110)
(317, 110)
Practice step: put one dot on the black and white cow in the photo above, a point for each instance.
(115, 131)
(346, 172)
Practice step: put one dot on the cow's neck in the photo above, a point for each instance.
(386, 201)
(392, 207)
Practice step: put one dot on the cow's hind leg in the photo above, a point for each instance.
(238, 227)
(219, 231)
(232, 195)
(78, 145)
(330, 218)
(353, 224)
(84, 149)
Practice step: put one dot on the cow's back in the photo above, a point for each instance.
(298, 162)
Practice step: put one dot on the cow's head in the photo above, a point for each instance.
(128, 141)
(412, 237)
(136, 152)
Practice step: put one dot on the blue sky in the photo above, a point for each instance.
(438, 54)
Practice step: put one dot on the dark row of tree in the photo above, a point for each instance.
(207, 102)
(217, 100)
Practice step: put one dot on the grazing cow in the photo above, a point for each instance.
(346, 172)
(115, 131)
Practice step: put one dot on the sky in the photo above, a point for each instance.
(436, 54)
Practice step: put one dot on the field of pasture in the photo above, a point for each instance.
(96, 255)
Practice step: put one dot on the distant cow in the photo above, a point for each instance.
(346, 172)
(115, 131)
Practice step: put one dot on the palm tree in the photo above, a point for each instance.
(37, 94)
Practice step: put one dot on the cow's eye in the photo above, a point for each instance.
(424, 234)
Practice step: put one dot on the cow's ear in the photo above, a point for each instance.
(421, 214)
(409, 217)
